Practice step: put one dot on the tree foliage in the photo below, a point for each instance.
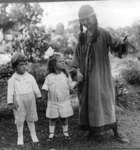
(33, 43)
(28, 37)
(5, 21)
(25, 13)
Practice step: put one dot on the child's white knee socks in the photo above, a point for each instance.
(51, 130)
(20, 134)
(31, 126)
(65, 130)
(65, 127)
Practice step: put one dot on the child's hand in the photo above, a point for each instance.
(44, 95)
(76, 75)
(44, 98)
(79, 76)
(12, 106)
(39, 98)
(73, 74)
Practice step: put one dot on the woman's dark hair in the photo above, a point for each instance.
(82, 36)
(52, 64)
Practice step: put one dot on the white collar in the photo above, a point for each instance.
(20, 77)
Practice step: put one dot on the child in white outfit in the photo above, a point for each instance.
(21, 97)
(57, 86)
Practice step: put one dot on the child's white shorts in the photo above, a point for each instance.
(59, 109)
(26, 109)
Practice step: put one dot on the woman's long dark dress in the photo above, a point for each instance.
(96, 92)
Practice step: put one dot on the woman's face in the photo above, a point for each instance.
(21, 68)
(60, 63)
(90, 22)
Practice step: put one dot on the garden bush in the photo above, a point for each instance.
(39, 71)
(121, 91)
(5, 72)
(128, 83)
(132, 76)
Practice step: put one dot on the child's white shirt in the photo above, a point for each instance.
(58, 86)
(22, 84)
(59, 101)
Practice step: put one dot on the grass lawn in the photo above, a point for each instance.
(129, 124)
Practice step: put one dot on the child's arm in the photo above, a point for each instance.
(10, 92)
(76, 75)
(45, 90)
(72, 84)
(36, 89)
(44, 95)
(79, 76)
(10, 95)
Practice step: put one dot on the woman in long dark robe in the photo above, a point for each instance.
(96, 91)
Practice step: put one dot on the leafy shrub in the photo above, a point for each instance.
(33, 42)
(121, 91)
(131, 75)
(6, 70)
(39, 71)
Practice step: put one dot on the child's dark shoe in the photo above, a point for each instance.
(51, 137)
(67, 138)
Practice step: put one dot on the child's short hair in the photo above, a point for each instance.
(18, 58)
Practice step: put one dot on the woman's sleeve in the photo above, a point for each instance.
(116, 45)
(45, 85)
(10, 91)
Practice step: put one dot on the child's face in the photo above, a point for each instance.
(21, 68)
(60, 63)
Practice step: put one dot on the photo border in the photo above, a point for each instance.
(37, 1)
(51, 1)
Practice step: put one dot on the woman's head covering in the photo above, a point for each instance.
(18, 58)
(86, 11)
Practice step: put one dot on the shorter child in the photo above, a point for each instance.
(21, 98)
(57, 85)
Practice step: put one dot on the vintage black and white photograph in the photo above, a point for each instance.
(70, 75)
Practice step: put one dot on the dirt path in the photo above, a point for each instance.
(129, 125)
